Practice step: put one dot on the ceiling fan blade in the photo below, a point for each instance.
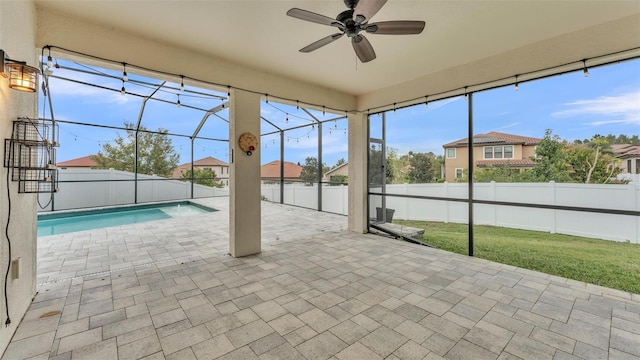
(368, 8)
(322, 42)
(363, 48)
(311, 16)
(407, 27)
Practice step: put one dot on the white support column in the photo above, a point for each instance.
(358, 148)
(244, 181)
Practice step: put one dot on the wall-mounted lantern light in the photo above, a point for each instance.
(21, 76)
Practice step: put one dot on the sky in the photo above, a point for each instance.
(573, 106)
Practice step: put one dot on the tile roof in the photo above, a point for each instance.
(272, 170)
(209, 161)
(626, 150)
(494, 137)
(85, 161)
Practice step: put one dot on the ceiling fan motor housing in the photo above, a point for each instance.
(351, 4)
(351, 28)
(345, 16)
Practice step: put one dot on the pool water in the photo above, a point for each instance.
(62, 223)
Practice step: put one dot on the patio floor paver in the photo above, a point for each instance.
(169, 290)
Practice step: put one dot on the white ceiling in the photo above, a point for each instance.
(259, 34)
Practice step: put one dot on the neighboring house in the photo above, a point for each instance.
(83, 163)
(491, 149)
(630, 157)
(219, 167)
(270, 172)
(341, 171)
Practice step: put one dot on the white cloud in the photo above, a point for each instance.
(266, 112)
(301, 143)
(506, 126)
(340, 148)
(63, 87)
(619, 109)
(610, 122)
(440, 103)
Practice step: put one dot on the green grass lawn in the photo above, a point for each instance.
(601, 262)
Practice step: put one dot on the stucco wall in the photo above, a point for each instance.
(461, 161)
(17, 38)
(342, 170)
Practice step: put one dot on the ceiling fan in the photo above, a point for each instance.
(351, 22)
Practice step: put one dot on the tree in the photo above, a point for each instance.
(398, 167)
(309, 172)
(551, 159)
(623, 139)
(341, 161)
(502, 174)
(422, 167)
(339, 179)
(409, 168)
(394, 167)
(613, 139)
(206, 177)
(376, 166)
(593, 162)
(156, 154)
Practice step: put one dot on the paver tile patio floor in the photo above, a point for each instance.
(169, 290)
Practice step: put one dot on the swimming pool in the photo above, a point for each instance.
(62, 223)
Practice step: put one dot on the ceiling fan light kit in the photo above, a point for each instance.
(354, 20)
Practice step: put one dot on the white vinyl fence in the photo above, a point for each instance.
(74, 195)
(587, 224)
(335, 199)
(114, 187)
